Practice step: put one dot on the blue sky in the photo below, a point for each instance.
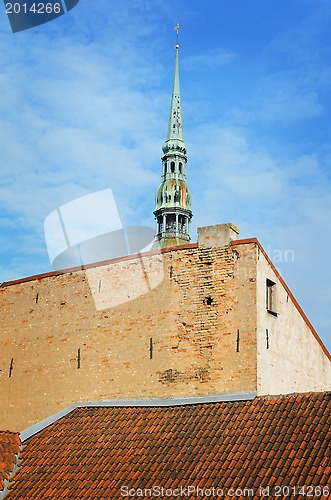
(85, 102)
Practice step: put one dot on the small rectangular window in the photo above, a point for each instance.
(271, 297)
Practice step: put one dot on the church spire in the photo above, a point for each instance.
(175, 127)
(173, 200)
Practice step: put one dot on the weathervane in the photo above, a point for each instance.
(176, 28)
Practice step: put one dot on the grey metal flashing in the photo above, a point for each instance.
(4, 492)
(39, 426)
(217, 398)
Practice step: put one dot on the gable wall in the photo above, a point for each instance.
(295, 359)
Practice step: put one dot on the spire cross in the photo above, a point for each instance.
(176, 28)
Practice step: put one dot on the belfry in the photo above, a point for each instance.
(173, 212)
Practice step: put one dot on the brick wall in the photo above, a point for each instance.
(163, 325)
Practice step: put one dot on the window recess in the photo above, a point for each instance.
(271, 297)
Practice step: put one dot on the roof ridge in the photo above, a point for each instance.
(157, 403)
(148, 402)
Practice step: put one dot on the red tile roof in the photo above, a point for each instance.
(281, 443)
(9, 449)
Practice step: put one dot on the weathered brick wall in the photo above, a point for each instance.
(57, 347)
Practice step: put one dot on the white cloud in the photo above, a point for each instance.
(283, 199)
(209, 60)
(294, 72)
(74, 121)
(232, 165)
(284, 98)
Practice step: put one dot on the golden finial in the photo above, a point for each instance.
(176, 28)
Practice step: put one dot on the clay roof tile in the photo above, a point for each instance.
(92, 452)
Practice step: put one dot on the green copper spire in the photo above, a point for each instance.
(175, 126)
(173, 212)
